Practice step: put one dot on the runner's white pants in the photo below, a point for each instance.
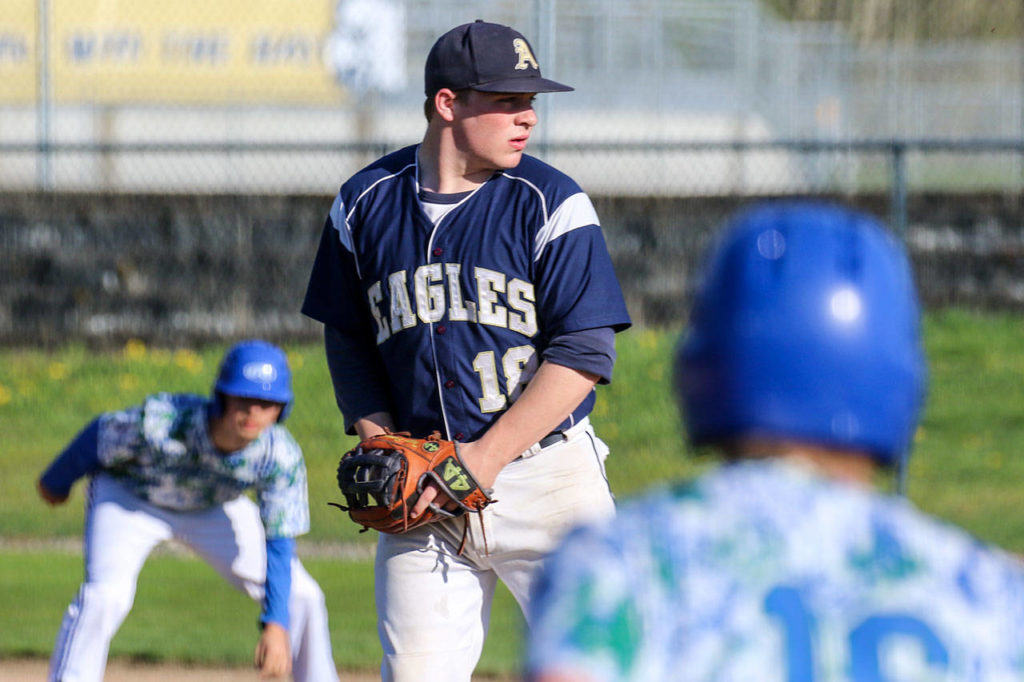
(433, 606)
(120, 532)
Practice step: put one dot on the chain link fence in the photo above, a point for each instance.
(165, 168)
(283, 96)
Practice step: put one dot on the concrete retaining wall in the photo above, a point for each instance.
(178, 270)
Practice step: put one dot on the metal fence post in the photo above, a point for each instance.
(544, 18)
(898, 190)
(898, 218)
(44, 99)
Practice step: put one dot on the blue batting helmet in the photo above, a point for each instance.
(255, 369)
(806, 327)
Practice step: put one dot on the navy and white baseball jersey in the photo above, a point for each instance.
(461, 308)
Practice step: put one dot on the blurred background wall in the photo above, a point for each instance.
(165, 168)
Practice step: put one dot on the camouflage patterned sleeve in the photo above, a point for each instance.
(283, 493)
(121, 437)
(584, 621)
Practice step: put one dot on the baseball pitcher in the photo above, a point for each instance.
(465, 288)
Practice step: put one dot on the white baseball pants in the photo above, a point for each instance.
(120, 532)
(433, 606)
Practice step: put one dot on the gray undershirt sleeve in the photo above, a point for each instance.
(587, 350)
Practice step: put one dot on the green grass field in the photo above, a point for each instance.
(968, 468)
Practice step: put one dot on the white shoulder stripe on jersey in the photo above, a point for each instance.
(340, 221)
(575, 212)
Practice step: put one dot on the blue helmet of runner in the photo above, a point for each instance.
(255, 369)
(806, 327)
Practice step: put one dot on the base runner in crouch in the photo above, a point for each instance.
(465, 287)
(178, 466)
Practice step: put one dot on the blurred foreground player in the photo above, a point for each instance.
(803, 367)
(177, 467)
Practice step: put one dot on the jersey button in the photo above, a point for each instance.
(438, 251)
(449, 384)
(441, 329)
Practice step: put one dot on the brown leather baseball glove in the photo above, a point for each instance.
(383, 476)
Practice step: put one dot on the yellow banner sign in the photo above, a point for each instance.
(186, 51)
(17, 51)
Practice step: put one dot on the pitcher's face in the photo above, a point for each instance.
(492, 128)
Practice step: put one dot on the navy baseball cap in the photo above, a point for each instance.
(486, 57)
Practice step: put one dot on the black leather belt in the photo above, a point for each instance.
(551, 439)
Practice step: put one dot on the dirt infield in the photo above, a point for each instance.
(30, 670)
(33, 670)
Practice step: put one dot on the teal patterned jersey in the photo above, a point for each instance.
(765, 571)
(162, 452)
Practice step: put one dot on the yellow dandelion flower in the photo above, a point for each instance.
(5, 395)
(135, 349)
(57, 370)
(127, 382)
(188, 360)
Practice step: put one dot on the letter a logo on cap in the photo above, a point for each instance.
(526, 58)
